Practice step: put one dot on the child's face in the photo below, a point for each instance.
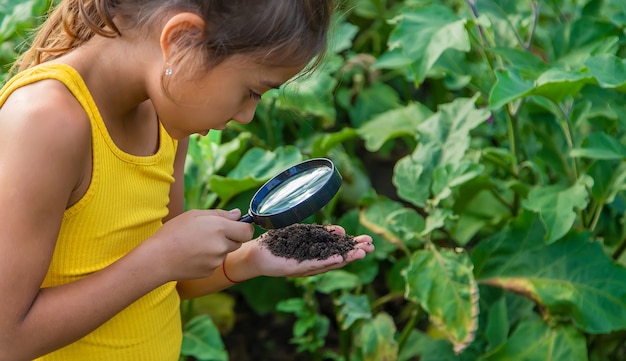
(230, 91)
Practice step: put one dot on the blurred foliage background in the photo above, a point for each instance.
(482, 144)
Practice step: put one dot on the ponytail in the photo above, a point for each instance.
(68, 26)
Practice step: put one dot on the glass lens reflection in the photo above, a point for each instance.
(294, 190)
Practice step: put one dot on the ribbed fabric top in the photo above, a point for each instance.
(124, 205)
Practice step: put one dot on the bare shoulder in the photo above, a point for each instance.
(45, 109)
(45, 135)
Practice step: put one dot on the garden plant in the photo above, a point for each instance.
(482, 143)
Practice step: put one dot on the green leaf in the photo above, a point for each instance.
(573, 279)
(202, 340)
(342, 35)
(206, 156)
(452, 175)
(508, 87)
(325, 142)
(617, 183)
(557, 84)
(524, 62)
(309, 95)
(372, 101)
(255, 168)
(609, 70)
(482, 206)
(263, 303)
(376, 341)
(599, 145)
(365, 8)
(444, 139)
(534, 340)
(424, 34)
(498, 324)
(554, 84)
(584, 36)
(428, 349)
(262, 164)
(227, 188)
(442, 282)
(220, 306)
(292, 305)
(393, 59)
(557, 205)
(392, 124)
(353, 308)
(15, 15)
(436, 219)
(337, 280)
(396, 223)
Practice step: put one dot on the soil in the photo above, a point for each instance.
(307, 242)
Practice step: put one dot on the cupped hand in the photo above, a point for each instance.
(264, 263)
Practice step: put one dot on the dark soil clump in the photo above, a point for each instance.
(307, 242)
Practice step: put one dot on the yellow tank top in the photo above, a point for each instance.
(124, 205)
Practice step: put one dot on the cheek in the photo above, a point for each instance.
(224, 103)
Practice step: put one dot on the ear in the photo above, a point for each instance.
(181, 24)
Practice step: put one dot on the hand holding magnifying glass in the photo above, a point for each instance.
(294, 194)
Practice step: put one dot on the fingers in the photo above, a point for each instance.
(234, 230)
(233, 214)
(336, 229)
(364, 243)
(363, 239)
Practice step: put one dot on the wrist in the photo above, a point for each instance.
(146, 256)
(237, 266)
(225, 272)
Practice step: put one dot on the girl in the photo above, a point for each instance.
(95, 251)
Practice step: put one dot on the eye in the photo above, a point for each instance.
(255, 95)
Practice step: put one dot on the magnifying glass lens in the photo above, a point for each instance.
(294, 194)
(299, 188)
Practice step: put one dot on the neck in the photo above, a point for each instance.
(119, 74)
(116, 72)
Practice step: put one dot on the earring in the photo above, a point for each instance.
(169, 71)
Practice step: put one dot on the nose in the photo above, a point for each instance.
(246, 114)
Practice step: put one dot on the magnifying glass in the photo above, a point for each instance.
(294, 194)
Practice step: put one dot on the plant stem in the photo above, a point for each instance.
(406, 331)
(568, 133)
(501, 199)
(597, 212)
(497, 162)
(620, 249)
(535, 6)
(482, 41)
(511, 125)
(387, 298)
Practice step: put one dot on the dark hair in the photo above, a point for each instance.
(288, 32)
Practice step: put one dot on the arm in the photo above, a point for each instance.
(42, 145)
(42, 154)
(177, 191)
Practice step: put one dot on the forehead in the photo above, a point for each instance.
(272, 74)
